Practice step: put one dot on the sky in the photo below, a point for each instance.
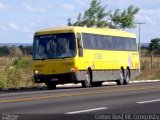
(20, 19)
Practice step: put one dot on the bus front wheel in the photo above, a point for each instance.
(87, 82)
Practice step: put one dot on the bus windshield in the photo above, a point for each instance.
(54, 46)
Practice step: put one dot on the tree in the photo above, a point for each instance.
(154, 46)
(26, 50)
(69, 22)
(15, 51)
(93, 17)
(124, 19)
(96, 16)
(79, 21)
(4, 50)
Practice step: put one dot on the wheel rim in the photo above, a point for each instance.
(121, 75)
(127, 78)
(87, 79)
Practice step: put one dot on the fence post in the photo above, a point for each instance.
(151, 60)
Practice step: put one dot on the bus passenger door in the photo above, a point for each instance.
(80, 45)
(80, 61)
(82, 55)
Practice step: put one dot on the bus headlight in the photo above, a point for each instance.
(36, 72)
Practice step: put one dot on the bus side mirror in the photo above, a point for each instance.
(79, 40)
(80, 48)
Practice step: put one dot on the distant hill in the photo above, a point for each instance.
(15, 44)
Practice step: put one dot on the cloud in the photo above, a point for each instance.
(50, 6)
(144, 18)
(2, 6)
(3, 27)
(13, 25)
(67, 6)
(151, 12)
(83, 2)
(30, 8)
(150, 16)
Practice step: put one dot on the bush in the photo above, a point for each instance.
(145, 65)
(14, 77)
(22, 63)
(2, 83)
(4, 50)
(19, 74)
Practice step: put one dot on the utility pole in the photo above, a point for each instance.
(139, 46)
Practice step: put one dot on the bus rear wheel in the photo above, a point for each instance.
(87, 82)
(51, 86)
(120, 80)
(127, 77)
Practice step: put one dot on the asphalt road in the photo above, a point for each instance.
(106, 102)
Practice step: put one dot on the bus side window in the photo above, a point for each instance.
(80, 48)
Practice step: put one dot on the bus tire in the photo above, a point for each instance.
(120, 80)
(87, 82)
(51, 86)
(127, 77)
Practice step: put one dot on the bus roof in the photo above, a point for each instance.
(101, 31)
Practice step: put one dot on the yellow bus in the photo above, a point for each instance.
(89, 56)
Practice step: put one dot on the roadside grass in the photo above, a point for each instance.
(2, 83)
(148, 72)
(6, 60)
(149, 75)
(17, 72)
(146, 63)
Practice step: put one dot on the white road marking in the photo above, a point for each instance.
(149, 101)
(144, 81)
(89, 110)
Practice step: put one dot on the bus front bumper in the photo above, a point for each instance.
(56, 78)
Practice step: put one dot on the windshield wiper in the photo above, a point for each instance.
(66, 57)
(44, 58)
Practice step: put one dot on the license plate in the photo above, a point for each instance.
(54, 79)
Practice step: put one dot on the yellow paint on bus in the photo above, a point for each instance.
(99, 62)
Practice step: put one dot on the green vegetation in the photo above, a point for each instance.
(150, 61)
(154, 46)
(17, 74)
(26, 50)
(2, 83)
(96, 16)
(4, 50)
(15, 51)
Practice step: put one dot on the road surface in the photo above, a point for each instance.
(109, 101)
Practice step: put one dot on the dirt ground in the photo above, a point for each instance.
(150, 74)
